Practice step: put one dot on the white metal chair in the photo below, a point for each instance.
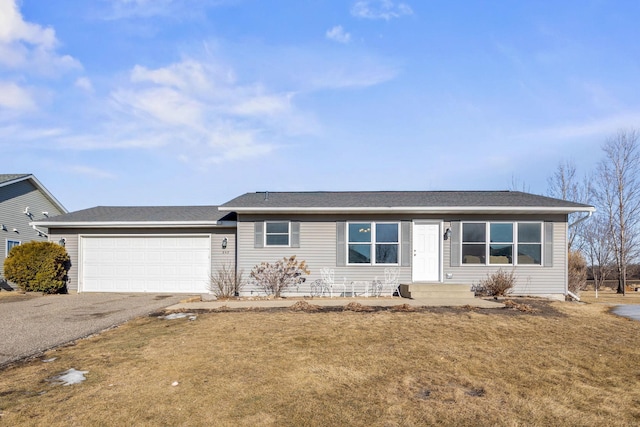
(391, 280)
(328, 279)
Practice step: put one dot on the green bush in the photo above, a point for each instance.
(38, 266)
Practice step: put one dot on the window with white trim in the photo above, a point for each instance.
(276, 233)
(495, 243)
(373, 243)
(11, 244)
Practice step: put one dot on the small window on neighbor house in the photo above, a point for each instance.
(276, 233)
(11, 244)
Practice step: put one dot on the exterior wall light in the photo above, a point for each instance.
(62, 242)
(447, 234)
(225, 242)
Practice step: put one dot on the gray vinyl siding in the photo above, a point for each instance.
(318, 247)
(14, 199)
(219, 257)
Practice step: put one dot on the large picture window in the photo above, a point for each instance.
(373, 243)
(495, 243)
(276, 233)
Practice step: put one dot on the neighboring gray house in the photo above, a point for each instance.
(430, 237)
(23, 199)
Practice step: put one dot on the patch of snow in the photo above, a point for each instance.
(173, 316)
(70, 377)
(49, 360)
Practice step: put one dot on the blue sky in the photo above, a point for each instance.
(169, 102)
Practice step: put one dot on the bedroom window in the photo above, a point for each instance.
(373, 243)
(495, 243)
(276, 233)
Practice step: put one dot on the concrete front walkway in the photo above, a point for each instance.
(335, 302)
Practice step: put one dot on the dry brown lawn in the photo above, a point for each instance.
(535, 363)
(609, 296)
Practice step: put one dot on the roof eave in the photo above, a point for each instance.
(133, 224)
(40, 187)
(415, 209)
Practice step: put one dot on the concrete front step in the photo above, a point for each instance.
(435, 291)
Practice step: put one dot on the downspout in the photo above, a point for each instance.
(573, 224)
(579, 220)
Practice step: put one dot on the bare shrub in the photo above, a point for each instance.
(577, 272)
(499, 283)
(226, 282)
(282, 274)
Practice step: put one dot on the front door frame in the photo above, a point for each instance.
(440, 224)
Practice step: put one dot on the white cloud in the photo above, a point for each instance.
(589, 129)
(198, 111)
(14, 97)
(28, 46)
(91, 172)
(338, 34)
(126, 9)
(85, 84)
(380, 9)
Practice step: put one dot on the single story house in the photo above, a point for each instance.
(23, 199)
(428, 237)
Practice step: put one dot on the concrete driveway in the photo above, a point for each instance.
(31, 326)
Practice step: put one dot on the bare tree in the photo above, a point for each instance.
(518, 185)
(597, 248)
(564, 184)
(618, 195)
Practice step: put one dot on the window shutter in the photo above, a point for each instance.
(548, 244)
(456, 237)
(405, 251)
(295, 234)
(341, 244)
(258, 234)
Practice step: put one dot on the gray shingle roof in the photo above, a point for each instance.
(397, 199)
(6, 177)
(153, 214)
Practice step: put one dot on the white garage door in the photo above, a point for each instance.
(166, 264)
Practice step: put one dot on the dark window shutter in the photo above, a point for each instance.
(341, 244)
(548, 244)
(405, 251)
(456, 237)
(258, 234)
(295, 234)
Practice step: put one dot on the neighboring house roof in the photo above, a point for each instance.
(141, 216)
(8, 179)
(402, 201)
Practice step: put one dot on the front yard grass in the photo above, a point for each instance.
(536, 363)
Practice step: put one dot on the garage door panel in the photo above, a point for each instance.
(145, 264)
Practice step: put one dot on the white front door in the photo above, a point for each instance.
(426, 252)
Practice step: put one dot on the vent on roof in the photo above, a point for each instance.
(266, 196)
